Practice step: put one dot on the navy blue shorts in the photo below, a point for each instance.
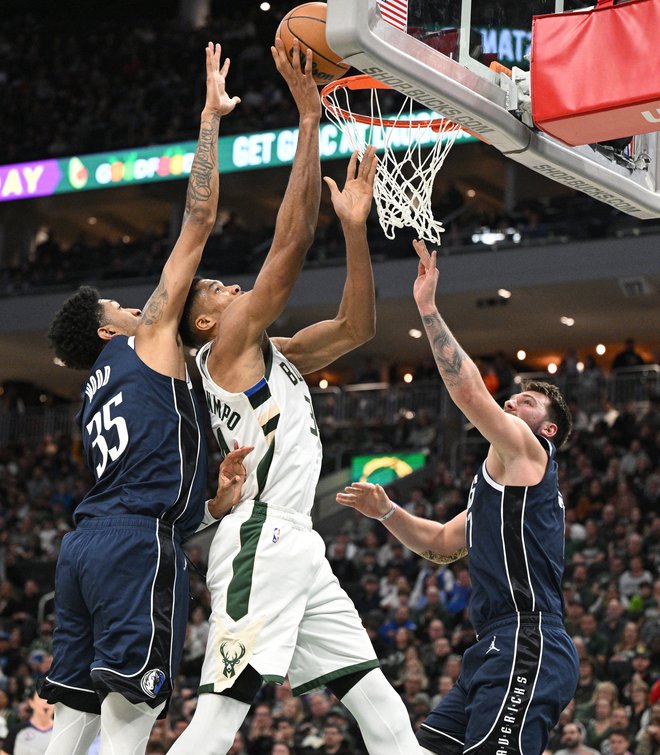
(514, 683)
(121, 607)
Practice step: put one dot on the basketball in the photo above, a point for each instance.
(307, 23)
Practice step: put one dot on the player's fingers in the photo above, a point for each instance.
(352, 165)
(296, 55)
(332, 184)
(373, 167)
(309, 63)
(224, 71)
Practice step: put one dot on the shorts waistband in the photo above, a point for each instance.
(532, 618)
(262, 508)
(131, 521)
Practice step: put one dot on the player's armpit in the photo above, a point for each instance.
(442, 558)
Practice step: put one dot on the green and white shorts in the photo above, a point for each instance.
(277, 606)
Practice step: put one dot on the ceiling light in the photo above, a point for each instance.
(408, 378)
(92, 220)
(471, 193)
(414, 333)
(522, 354)
(323, 384)
(600, 349)
(504, 293)
(552, 368)
(265, 6)
(568, 321)
(580, 366)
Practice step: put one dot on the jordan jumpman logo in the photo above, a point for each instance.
(492, 646)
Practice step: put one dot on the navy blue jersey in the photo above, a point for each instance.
(515, 538)
(143, 442)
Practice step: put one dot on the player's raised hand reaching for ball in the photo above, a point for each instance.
(217, 99)
(353, 203)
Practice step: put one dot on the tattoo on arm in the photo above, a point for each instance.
(153, 309)
(447, 352)
(204, 165)
(441, 558)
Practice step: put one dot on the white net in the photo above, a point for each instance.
(410, 152)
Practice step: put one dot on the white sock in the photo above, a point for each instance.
(125, 726)
(213, 727)
(381, 716)
(73, 731)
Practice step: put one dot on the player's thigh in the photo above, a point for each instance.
(443, 730)
(332, 641)
(68, 679)
(136, 586)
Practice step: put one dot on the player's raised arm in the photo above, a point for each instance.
(163, 311)
(509, 435)
(441, 543)
(320, 344)
(298, 213)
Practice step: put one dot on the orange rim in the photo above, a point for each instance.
(367, 82)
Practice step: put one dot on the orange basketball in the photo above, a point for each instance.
(307, 23)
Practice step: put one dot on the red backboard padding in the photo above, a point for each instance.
(595, 75)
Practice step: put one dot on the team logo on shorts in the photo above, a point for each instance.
(152, 681)
(276, 534)
(232, 653)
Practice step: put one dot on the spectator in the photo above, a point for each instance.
(573, 740)
(628, 357)
(31, 737)
(619, 742)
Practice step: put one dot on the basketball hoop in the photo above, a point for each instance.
(405, 176)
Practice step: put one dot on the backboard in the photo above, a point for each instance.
(440, 52)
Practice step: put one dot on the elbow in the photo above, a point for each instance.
(361, 333)
(202, 218)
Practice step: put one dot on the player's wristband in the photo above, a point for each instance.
(389, 513)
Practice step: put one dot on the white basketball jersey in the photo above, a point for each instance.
(275, 416)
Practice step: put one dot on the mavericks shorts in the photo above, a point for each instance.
(514, 683)
(121, 606)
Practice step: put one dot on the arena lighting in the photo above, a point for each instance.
(414, 333)
(323, 384)
(600, 349)
(504, 293)
(580, 366)
(408, 378)
(567, 321)
(522, 354)
(92, 220)
(552, 368)
(264, 6)
(471, 193)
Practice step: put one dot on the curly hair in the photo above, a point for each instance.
(72, 333)
(558, 412)
(187, 329)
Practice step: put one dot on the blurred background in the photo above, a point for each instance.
(100, 116)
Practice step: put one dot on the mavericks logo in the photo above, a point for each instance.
(232, 652)
(152, 682)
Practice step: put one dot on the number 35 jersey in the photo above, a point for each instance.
(142, 440)
(277, 418)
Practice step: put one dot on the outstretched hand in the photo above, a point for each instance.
(230, 481)
(217, 99)
(301, 83)
(353, 203)
(370, 500)
(425, 285)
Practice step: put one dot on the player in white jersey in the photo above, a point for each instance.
(277, 609)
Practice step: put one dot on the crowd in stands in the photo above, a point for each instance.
(141, 91)
(415, 611)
